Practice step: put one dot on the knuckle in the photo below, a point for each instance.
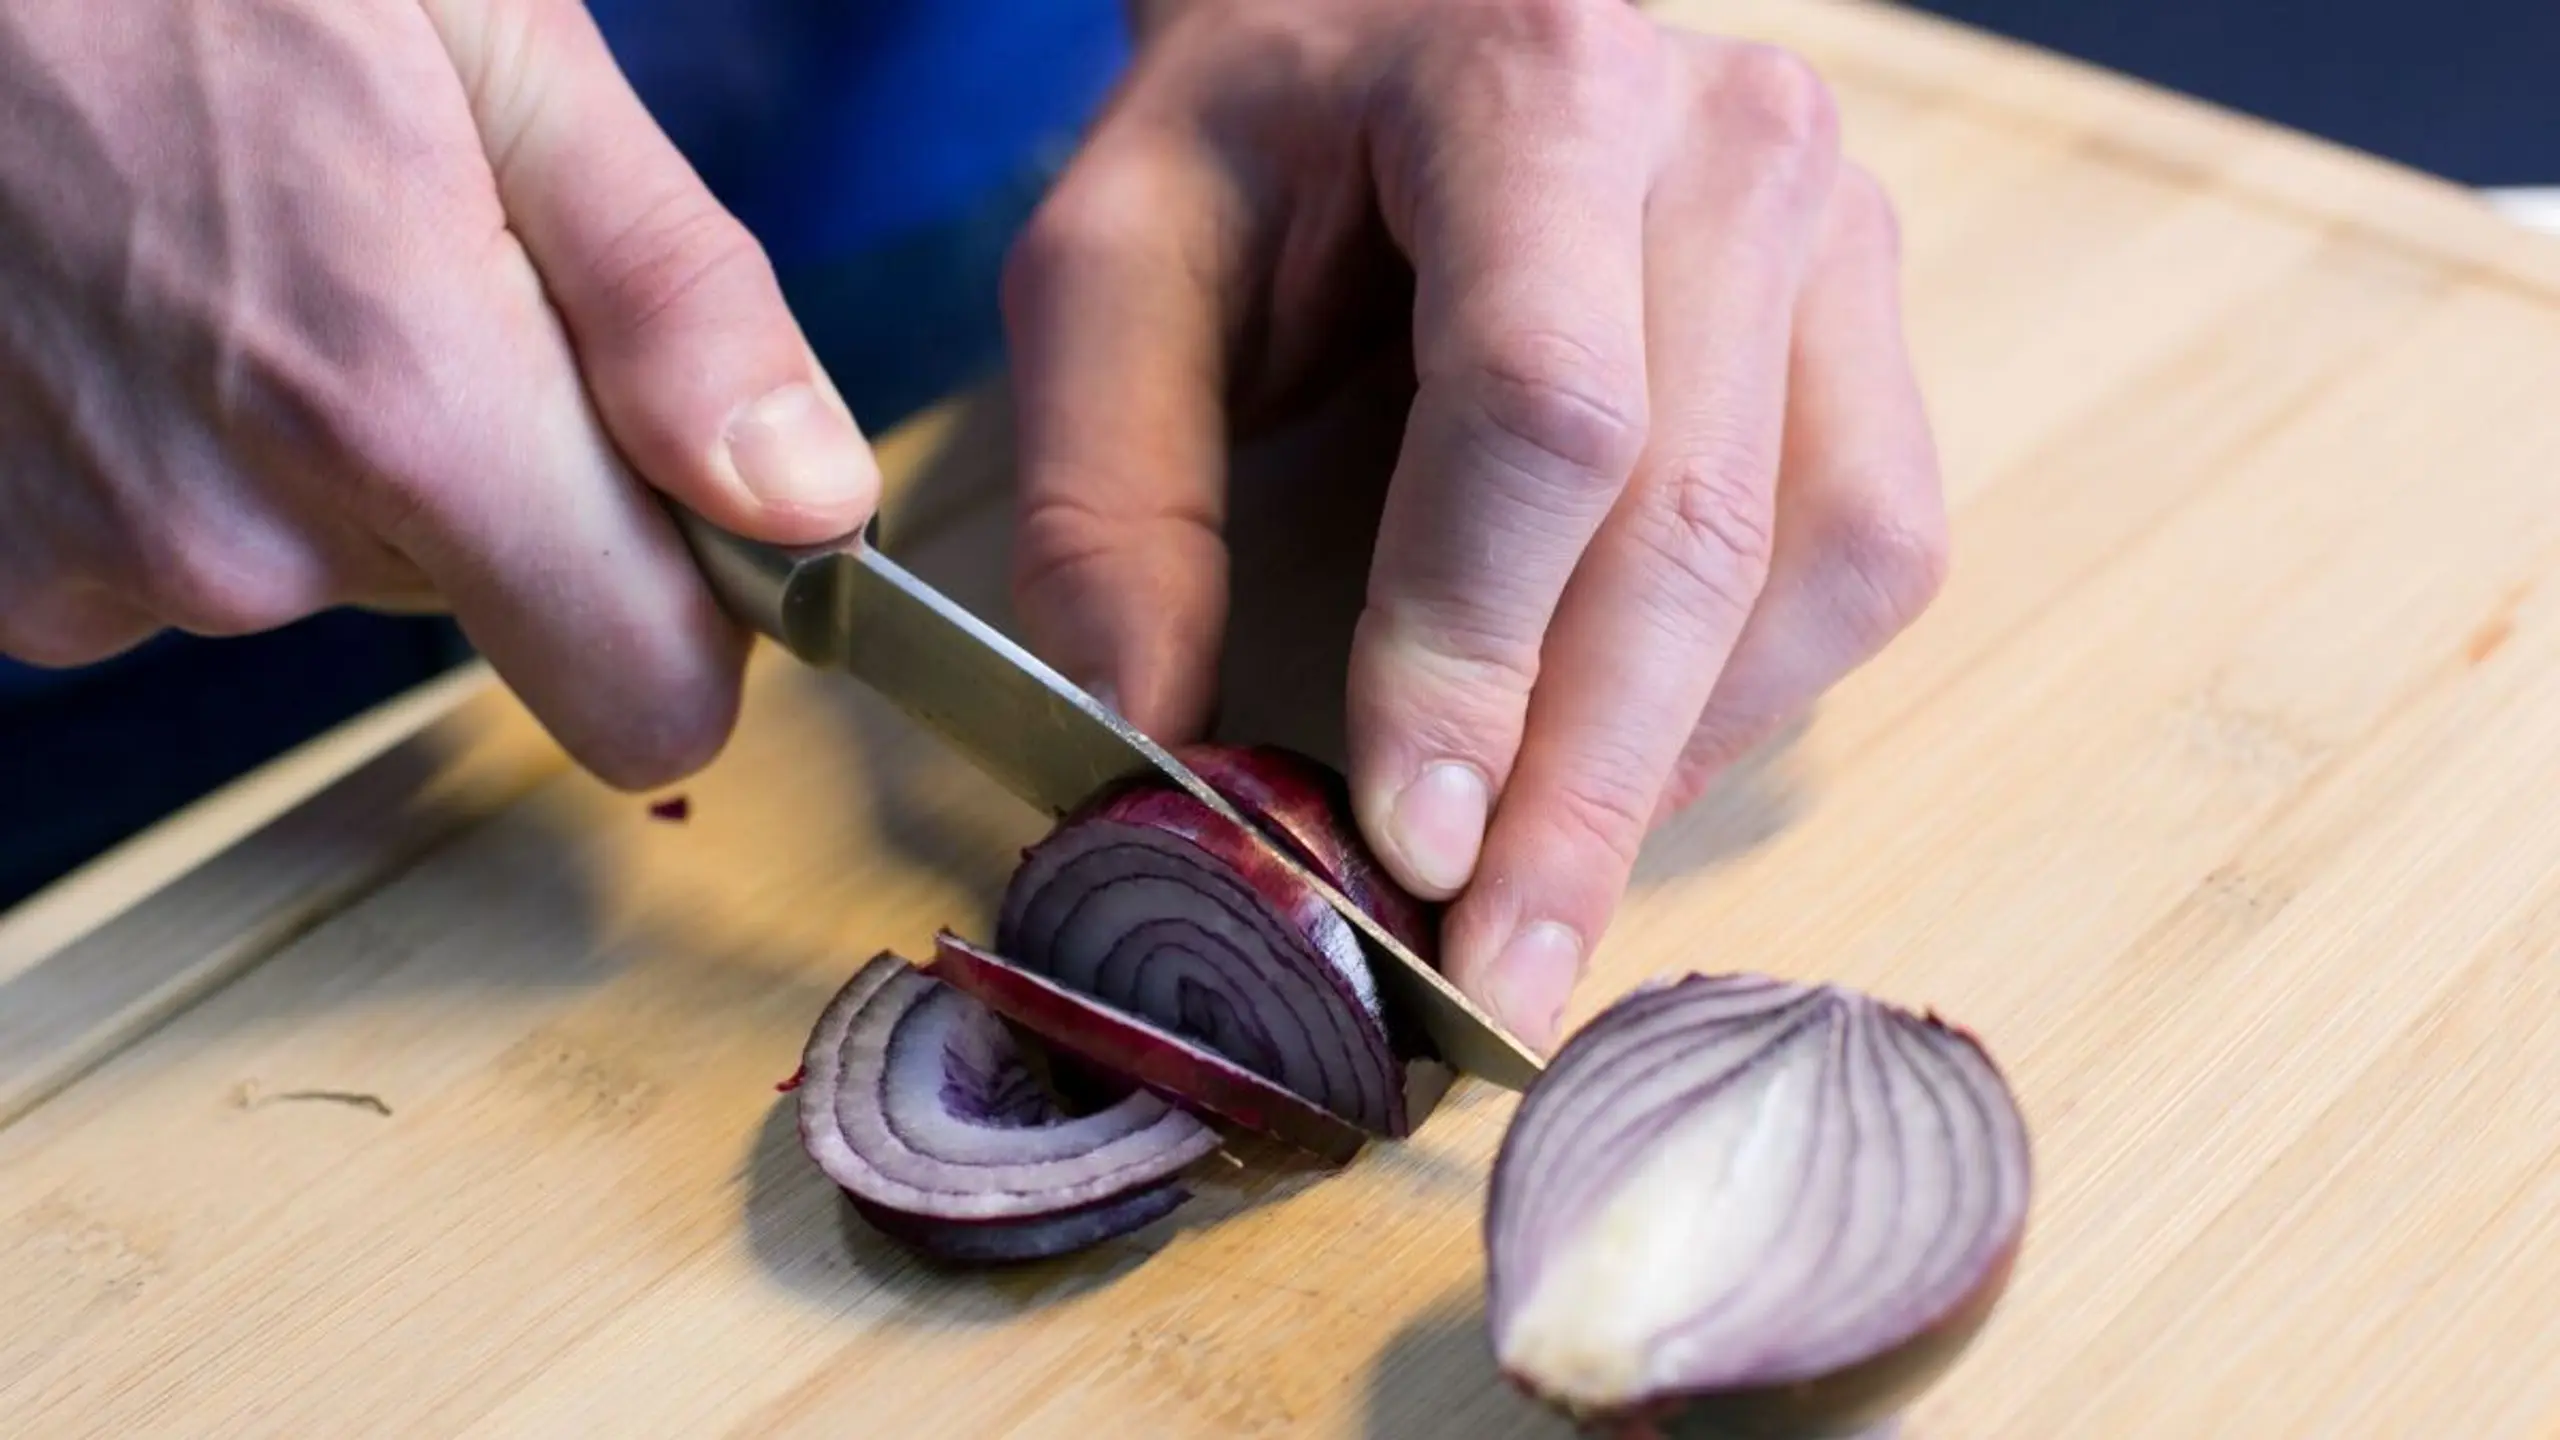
(1582, 34)
(1060, 535)
(1863, 212)
(1710, 523)
(1604, 810)
(1724, 735)
(1570, 412)
(1776, 99)
(1446, 677)
(1105, 213)
(1471, 647)
(211, 587)
(56, 625)
(1888, 563)
(1076, 225)
(682, 256)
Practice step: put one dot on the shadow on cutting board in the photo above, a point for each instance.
(1436, 1378)
(806, 1235)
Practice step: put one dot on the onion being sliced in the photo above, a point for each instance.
(1304, 804)
(1156, 906)
(1752, 1207)
(1112, 1043)
(918, 1101)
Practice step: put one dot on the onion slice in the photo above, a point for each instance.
(1117, 1044)
(1155, 905)
(919, 1102)
(986, 1243)
(1747, 1203)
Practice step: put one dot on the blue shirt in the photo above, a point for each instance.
(832, 125)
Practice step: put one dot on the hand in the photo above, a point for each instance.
(318, 302)
(1666, 477)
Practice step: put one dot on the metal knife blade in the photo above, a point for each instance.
(844, 605)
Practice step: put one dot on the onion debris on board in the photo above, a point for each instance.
(1737, 1205)
(1732, 1205)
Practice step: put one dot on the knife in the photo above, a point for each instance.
(843, 605)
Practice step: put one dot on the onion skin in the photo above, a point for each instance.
(1109, 1041)
(1837, 1288)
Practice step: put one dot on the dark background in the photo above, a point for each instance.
(2468, 90)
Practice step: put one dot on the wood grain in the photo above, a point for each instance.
(2214, 793)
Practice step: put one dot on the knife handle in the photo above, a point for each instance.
(797, 595)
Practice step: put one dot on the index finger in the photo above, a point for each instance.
(1517, 195)
(1115, 303)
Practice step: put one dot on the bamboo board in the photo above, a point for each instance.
(2215, 793)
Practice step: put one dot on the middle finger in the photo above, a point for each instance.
(1660, 596)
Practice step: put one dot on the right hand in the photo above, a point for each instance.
(392, 303)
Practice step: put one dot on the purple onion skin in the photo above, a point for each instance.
(1305, 805)
(1016, 1241)
(1863, 1398)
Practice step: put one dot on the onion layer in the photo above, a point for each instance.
(1115, 1044)
(1157, 906)
(920, 1104)
(1753, 1205)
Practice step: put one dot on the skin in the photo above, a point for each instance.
(408, 303)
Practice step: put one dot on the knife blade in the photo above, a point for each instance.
(845, 605)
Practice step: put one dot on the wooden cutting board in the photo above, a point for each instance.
(2217, 793)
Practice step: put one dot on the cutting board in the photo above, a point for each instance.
(426, 1087)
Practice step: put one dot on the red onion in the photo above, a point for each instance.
(919, 1102)
(1157, 906)
(1112, 1043)
(1305, 805)
(1155, 952)
(1753, 1207)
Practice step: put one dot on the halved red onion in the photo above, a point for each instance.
(1754, 1205)
(1116, 1044)
(1157, 906)
(919, 1102)
(1305, 804)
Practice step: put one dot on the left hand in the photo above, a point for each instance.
(1666, 476)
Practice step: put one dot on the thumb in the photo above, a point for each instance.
(693, 359)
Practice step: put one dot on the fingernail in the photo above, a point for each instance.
(1438, 824)
(1104, 694)
(793, 449)
(1533, 978)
